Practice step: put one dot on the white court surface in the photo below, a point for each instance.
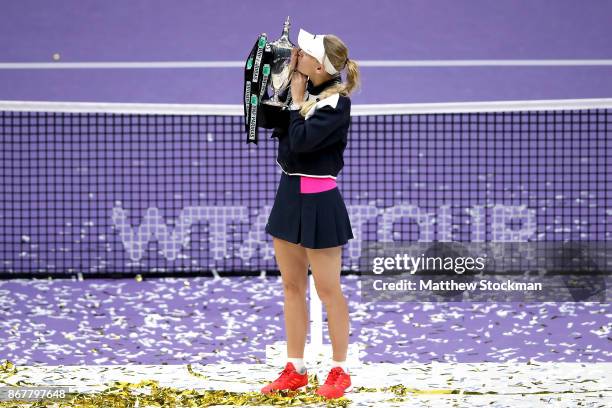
(424, 385)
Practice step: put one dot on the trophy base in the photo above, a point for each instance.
(279, 104)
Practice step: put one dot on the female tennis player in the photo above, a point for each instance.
(309, 222)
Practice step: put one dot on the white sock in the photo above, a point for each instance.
(340, 364)
(298, 363)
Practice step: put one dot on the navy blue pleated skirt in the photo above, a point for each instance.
(313, 220)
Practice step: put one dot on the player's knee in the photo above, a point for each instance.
(329, 294)
(294, 289)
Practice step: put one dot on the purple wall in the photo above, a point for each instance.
(87, 31)
(80, 187)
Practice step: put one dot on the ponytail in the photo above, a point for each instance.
(352, 76)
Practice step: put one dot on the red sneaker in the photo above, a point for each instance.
(289, 379)
(337, 383)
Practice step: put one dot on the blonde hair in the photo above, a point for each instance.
(337, 52)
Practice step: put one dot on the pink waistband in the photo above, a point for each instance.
(316, 184)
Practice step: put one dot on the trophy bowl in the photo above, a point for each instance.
(280, 74)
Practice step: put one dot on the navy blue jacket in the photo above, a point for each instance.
(312, 146)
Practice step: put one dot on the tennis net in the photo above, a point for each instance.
(164, 189)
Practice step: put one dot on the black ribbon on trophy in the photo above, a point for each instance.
(267, 65)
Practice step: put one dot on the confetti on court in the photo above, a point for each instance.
(208, 321)
(410, 384)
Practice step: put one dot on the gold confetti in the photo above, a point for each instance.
(148, 393)
(8, 368)
(123, 394)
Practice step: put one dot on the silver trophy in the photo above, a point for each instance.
(280, 74)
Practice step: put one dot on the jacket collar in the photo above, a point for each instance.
(316, 90)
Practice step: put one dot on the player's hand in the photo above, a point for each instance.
(298, 86)
(294, 59)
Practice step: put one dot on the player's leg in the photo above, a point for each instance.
(293, 265)
(326, 264)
